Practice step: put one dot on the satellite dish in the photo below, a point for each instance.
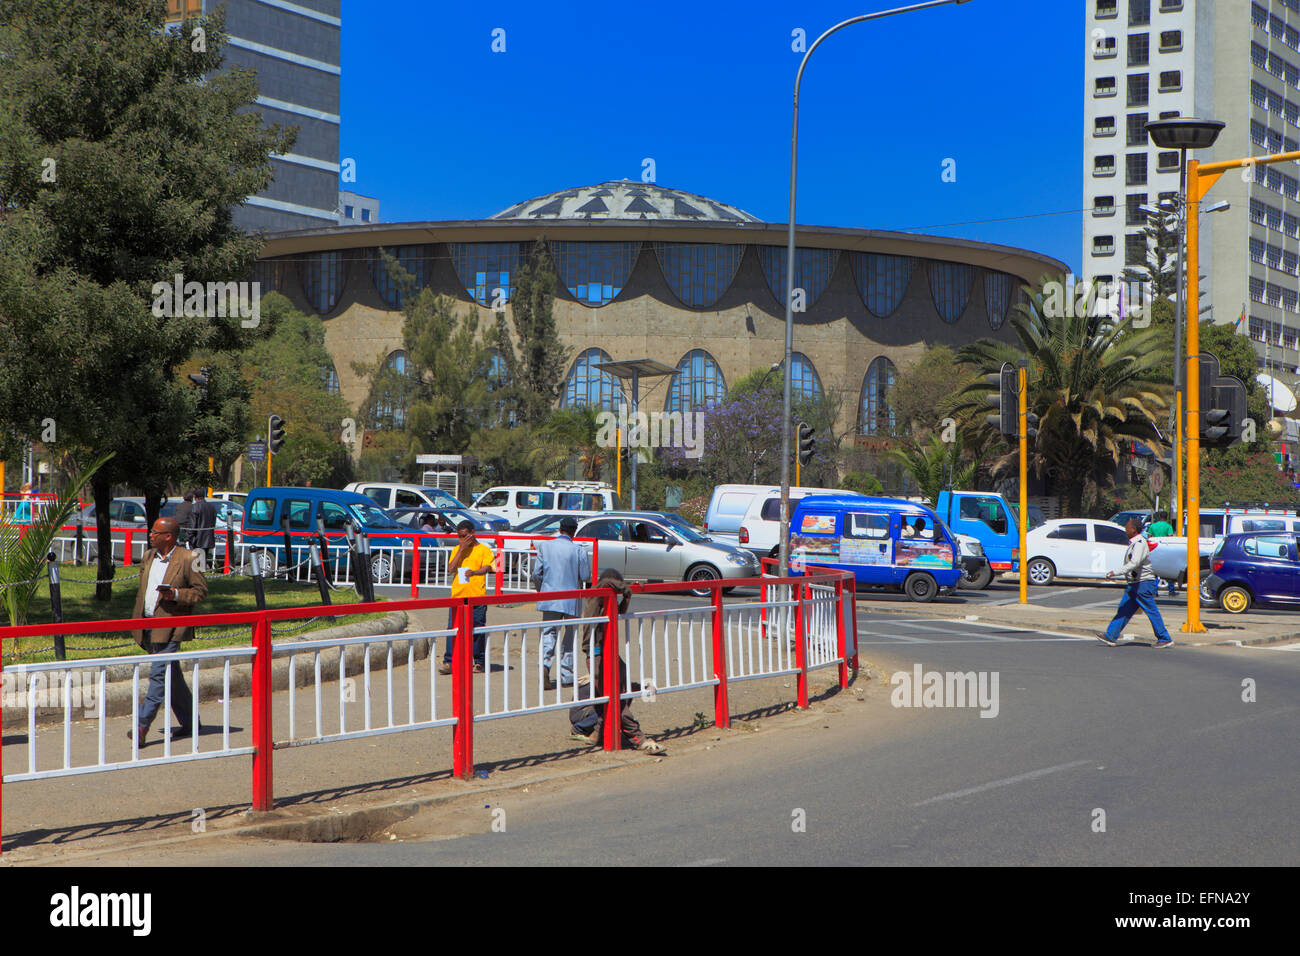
(1280, 397)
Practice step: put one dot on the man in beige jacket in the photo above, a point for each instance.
(170, 585)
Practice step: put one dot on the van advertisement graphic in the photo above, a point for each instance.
(920, 553)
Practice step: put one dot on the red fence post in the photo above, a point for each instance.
(612, 679)
(263, 781)
(762, 599)
(128, 534)
(230, 544)
(839, 633)
(462, 695)
(721, 706)
(852, 587)
(800, 651)
(415, 566)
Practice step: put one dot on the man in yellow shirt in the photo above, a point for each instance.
(470, 565)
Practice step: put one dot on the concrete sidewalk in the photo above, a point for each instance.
(343, 789)
(1220, 627)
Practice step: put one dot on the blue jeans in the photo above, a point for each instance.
(480, 639)
(566, 645)
(182, 702)
(1141, 595)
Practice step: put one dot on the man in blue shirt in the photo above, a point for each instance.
(561, 565)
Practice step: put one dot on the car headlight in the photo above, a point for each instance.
(977, 548)
(740, 559)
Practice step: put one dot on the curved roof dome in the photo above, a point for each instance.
(628, 200)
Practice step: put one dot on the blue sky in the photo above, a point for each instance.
(441, 127)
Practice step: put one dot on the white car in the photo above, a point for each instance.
(1074, 548)
(518, 503)
(760, 524)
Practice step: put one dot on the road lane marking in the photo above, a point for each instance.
(951, 630)
(978, 640)
(1241, 720)
(994, 784)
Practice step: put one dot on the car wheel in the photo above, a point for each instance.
(978, 580)
(1041, 571)
(920, 587)
(702, 572)
(1234, 599)
(1206, 595)
(265, 562)
(381, 569)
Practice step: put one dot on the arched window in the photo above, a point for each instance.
(698, 273)
(271, 274)
(322, 275)
(594, 272)
(804, 381)
(592, 386)
(882, 280)
(999, 291)
(875, 414)
(697, 383)
(950, 286)
(413, 259)
(392, 392)
(812, 271)
(485, 267)
(330, 377)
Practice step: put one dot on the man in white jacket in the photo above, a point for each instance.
(1139, 592)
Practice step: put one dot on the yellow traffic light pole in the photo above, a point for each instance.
(1022, 420)
(1201, 177)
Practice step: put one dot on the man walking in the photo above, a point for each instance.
(561, 566)
(468, 570)
(1161, 528)
(1140, 592)
(184, 512)
(170, 585)
(203, 520)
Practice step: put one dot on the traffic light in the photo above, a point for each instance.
(202, 380)
(1004, 401)
(1222, 405)
(806, 443)
(275, 434)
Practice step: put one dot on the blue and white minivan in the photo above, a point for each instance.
(885, 542)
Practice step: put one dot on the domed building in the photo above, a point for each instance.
(651, 272)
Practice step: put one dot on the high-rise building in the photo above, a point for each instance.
(294, 47)
(1232, 60)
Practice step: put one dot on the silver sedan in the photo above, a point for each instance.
(653, 546)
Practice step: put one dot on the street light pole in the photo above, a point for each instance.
(789, 267)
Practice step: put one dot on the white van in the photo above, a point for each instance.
(518, 503)
(751, 508)
(392, 494)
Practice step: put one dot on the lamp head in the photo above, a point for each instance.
(1184, 132)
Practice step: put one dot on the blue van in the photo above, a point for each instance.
(264, 509)
(885, 542)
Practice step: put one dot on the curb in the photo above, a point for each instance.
(921, 611)
(117, 700)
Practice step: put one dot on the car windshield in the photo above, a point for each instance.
(680, 525)
(443, 499)
(372, 516)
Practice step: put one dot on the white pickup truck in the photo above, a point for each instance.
(1169, 556)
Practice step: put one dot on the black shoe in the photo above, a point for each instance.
(184, 731)
(547, 683)
(143, 731)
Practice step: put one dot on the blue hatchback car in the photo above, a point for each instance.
(1252, 569)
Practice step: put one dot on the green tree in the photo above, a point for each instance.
(924, 391)
(1094, 383)
(124, 154)
(936, 466)
(573, 434)
(535, 359)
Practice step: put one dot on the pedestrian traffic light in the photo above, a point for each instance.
(1223, 405)
(1004, 401)
(275, 434)
(806, 443)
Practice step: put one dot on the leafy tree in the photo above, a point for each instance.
(573, 433)
(223, 419)
(1093, 382)
(862, 482)
(535, 359)
(124, 154)
(924, 391)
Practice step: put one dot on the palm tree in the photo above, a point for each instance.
(570, 433)
(1094, 382)
(935, 466)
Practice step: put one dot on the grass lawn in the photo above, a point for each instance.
(225, 595)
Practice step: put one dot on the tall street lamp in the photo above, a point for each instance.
(1181, 134)
(789, 267)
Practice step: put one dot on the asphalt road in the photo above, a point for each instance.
(1096, 756)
